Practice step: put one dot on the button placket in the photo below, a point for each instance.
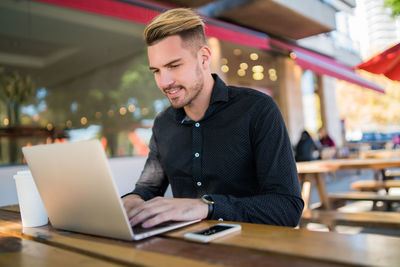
(196, 162)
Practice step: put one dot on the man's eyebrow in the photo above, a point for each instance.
(168, 64)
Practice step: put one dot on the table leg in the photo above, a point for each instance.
(323, 195)
(307, 186)
(376, 175)
(379, 174)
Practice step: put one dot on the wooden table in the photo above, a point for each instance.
(255, 245)
(381, 153)
(311, 173)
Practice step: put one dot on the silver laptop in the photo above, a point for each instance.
(79, 193)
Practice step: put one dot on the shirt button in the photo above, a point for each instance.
(197, 124)
(197, 155)
(220, 219)
(198, 183)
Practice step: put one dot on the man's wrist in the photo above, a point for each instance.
(210, 202)
(132, 195)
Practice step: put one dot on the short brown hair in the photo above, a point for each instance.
(183, 22)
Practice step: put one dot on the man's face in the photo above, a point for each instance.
(177, 70)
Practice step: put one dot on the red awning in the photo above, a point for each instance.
(326, 66)
(386, 63)
(236, 34)
(143, 12)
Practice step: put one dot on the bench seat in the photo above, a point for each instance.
(392, 173)
(360, 196)
(373, 219)
(339, 199)
(373, 185)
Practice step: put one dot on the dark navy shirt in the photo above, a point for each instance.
(239, 153)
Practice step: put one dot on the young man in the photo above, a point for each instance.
(224, 150)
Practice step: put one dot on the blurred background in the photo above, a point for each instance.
(73, 70)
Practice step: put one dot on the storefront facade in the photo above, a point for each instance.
(90, 78)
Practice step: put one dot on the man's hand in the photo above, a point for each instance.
(131, 202)
(160, 209)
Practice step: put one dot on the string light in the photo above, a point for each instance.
(237, 52)
(131, 108)
(257, 68)
(110, 113)
(243, 66)
(272, 71)
(122, 111)
(253, 56)
(273, 78)
(272, 74)
(258, 76)
(83, 120)
(241, 72)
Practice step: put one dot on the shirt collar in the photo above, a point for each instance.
(219, 91)
(219, 94)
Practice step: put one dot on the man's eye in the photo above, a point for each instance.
(154, 71)
(173, 66)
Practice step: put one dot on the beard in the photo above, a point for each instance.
(191, 92)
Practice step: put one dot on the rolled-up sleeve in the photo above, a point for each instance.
(153, 181)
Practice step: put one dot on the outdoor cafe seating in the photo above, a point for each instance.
(381, 191)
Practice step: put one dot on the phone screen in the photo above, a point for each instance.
(213, 230)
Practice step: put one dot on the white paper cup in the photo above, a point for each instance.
(32, 210)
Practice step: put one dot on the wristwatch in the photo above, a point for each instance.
(210, 202)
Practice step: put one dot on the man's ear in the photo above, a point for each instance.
(205, 57)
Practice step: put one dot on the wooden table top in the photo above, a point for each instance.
(16, 251)
(255, 245)
(330, 246)
(321, 166)
(381, 153)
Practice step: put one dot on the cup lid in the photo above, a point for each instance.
(24, 172)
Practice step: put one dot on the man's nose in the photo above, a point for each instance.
(165, 79)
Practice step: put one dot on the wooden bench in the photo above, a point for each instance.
(359, 196)
(331, 218)
(339, 199)
(373, 185)
(392, 173)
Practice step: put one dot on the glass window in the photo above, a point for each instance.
(311, 102)
(68, 75)
(71, 75)
(249, 67)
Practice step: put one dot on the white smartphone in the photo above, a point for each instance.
(213, 232)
